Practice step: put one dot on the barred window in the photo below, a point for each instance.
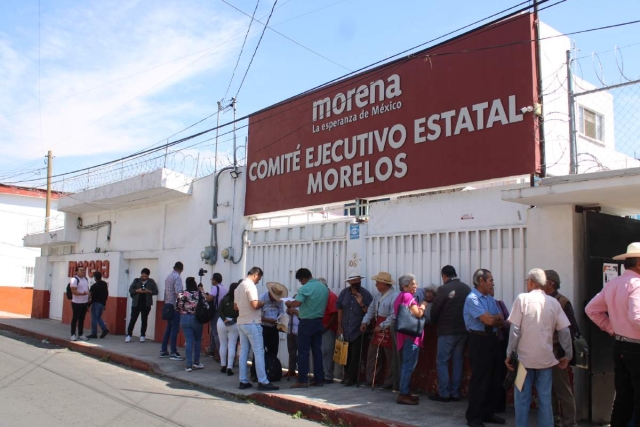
(28, 273)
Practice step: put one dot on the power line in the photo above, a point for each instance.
(289, 38)
(242, 48)
(140, 153)
(257, 46)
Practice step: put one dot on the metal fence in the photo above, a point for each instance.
(604, 118)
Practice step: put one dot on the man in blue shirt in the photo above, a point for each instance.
(482, 319)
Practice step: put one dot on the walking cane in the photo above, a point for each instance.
(375, 365)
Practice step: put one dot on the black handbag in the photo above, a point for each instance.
(407, 323)
(202, 310)
(511, 375)
(168, 311)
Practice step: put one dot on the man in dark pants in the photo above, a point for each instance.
(616, 310)
(311, 301)
(272, 309)
(352, 305)
(446, 312)
(482, 318)
(142, 290)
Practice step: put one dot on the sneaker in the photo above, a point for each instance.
(104, 333)
(176, 356)
(128, 338)
(267, 387)
(92, 336)
(83, 338)
(164, 354)
(229, 371)
(198, 365)
(188, 369)
(245, 386)
(223, 369)
(74, 337)
(142, 339)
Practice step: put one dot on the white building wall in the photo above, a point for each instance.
(17, 263)
(593, 155)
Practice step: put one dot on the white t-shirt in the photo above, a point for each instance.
(82, 286)
(538, 316)
(243, 295)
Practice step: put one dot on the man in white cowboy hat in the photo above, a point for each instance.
(272, 309)
(616, 310)
(353, 303)
(381, 311)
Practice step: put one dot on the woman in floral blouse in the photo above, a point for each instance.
(187, 302)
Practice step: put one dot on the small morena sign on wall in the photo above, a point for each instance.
(90, 267)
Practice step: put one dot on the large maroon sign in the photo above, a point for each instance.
(445, 116)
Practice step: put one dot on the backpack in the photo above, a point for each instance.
(202, 310)
(68, 291)
(272, 365)
(213, 305)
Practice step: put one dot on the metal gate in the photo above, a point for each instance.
(606, 236)
(501, 250)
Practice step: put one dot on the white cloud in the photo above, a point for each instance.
(87, 46)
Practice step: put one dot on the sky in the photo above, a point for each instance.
(94, 81)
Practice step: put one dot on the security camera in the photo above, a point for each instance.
(523, 110)
(526, 109)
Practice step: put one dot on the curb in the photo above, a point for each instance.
(289, 405)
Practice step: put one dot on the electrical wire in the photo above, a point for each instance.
(140, 153)
(253, 15)
(289, 38)
(257, 46)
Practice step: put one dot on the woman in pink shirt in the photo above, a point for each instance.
(408, 346)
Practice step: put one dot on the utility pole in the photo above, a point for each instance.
(233, 104)
(47, 214)
(541, 135)
(215, 157)
(573, 164)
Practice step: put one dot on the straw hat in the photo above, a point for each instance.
(384, 277)
(357, 276)
(633, 251)
(277, 290)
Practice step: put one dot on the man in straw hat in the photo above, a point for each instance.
(312, 300)
(353, 303)
(381, 310)
(272, 309)
(620, 299)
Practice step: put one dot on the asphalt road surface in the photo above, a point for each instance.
(46, 386)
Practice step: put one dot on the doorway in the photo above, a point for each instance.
(135, 267)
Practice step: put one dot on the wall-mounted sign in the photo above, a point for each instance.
(354, 231)
(90, 267)
(444, 116)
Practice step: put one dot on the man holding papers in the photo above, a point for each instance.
(535, 316)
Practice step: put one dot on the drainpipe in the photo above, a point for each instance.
(214, 225)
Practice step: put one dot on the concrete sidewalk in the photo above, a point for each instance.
(334, 404)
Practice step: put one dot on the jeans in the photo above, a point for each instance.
(410, 353)
(310, 340)
(96, 318)
(626, 360)
(542, 379)
(228, 336)
(328, 345)
(214, 338)
(137, 311)
(251, 337)
(450, 347)
(192, 330)
(79, 312)
(171, 334)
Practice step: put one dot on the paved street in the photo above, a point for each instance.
(41, 384)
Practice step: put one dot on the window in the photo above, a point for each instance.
(590, 124)
(28, 275)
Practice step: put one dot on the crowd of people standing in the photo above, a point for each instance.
(537, 333)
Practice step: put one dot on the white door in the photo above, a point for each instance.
(135, 267)
(59, 281)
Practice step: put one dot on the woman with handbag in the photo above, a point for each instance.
(186, 305)
(228, 331)
(409, 334)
